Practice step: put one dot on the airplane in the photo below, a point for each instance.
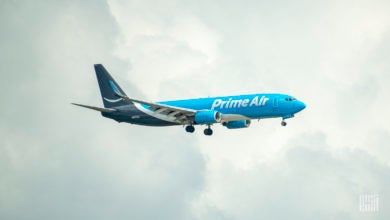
(233, 112)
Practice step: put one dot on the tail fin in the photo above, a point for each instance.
(109, 88)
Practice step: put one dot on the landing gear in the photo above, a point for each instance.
(286, 117)
(208, 131)
(190, 129)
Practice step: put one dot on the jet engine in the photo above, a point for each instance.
(207, 117)
(237, 124)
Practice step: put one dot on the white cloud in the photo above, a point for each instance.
(58, 160)
(309, 180)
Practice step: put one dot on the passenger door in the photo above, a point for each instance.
(275, 103)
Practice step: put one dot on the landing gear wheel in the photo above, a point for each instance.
(208, 131)
(190, 129)
(284, 123)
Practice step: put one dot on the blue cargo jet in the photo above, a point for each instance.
(232, 111)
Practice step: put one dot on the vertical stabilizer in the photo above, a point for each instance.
(109, 88)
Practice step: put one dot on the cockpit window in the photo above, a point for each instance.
(290, 99)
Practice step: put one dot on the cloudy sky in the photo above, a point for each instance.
(58, 161)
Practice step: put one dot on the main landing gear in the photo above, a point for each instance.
(190, 129)
(283, 123)
(208, 131)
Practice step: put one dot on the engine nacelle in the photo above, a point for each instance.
(207, 117)
(237, 124)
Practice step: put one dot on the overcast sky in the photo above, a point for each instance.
(58, 161)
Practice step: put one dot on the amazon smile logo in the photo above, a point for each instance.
(113, 100)
(115, 90)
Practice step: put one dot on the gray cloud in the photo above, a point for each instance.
(61, 162)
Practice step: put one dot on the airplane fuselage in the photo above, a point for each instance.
(240, 107)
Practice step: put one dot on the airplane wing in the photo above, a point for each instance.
(181, 115)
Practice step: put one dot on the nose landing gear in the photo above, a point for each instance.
(286, 117)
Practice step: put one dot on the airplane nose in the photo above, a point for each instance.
(301, 106)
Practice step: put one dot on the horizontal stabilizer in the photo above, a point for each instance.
(95, 108)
